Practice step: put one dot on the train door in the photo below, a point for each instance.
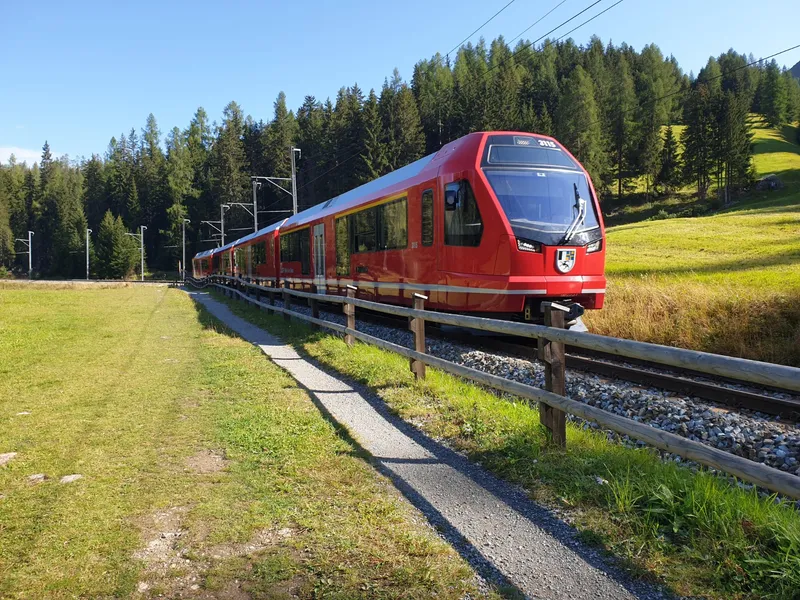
(319, 257)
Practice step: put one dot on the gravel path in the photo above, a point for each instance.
(505, 537)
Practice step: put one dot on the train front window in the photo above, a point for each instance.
(541, 204)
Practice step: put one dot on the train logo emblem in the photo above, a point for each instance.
(565, 260)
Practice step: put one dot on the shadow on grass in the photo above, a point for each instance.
(558, 532)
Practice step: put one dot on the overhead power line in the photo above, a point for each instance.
(528, 45)
(485, 23)
(535, 23)
(556, 28)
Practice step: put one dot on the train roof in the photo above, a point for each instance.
(356, 196)
(259, 233)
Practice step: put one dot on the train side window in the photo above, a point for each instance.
(296, 247)
(343, 246)
(365, 230)
(462, 219)
(305, 251)
(427, 218)
(393, 222)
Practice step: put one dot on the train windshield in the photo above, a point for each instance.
(542, 204)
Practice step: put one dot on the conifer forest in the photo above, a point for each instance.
(610, 105)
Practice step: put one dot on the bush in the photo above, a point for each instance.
(5, 273)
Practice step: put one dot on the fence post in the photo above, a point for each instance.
(552, 355)
(350, 312)
(287, 301)
(417, 327)
(314, 303)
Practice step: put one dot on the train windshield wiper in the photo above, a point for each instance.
(580, 204)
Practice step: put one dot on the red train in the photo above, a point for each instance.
(494, 222)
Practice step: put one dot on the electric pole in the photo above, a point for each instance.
(29, 252)
(256, 185)
(88, 231)
(222, 208)
(140, 235)
(294, 179)
(183, 236)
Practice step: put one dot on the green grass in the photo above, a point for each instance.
(727, 282)
(127, 387)
(696, 532)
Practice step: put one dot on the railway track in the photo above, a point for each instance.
(689, 383)
(682, 381)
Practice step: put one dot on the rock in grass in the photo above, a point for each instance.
(5, 458)
(70, 478)
(37, 478)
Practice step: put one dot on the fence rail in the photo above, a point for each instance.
(553, 406)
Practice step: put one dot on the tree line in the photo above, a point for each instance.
(610, 105)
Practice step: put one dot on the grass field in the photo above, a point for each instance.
(699, 534)
(205, 471)
(727, 282)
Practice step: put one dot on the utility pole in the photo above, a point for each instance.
(256, 186)
(218, 226)
(294, 179)
(29, 252)
(274, 180)
(222, 222)
(88, 231)
(183, 235)
(140, 235)
(141, 241)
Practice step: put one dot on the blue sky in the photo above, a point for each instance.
(77, 73)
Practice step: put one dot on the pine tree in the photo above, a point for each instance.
(578, 124)
(117, 253)
(653, 84)
(15, 187)
(408, 135)
(45, 166)
(546, 122)
(432, 85)
(774, 96)
(315, 144)
(95, 203)
(792, 85)
(6, 235)
(622, 119)
(180, 182)
(697, 138)
(669, 174)
(504, 83)
(374, 155)
(734, 147)
(230, 182)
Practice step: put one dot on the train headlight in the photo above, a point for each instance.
(528, 246)
(594, 247)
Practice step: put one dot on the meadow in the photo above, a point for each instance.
(205, 471)
(725, 282)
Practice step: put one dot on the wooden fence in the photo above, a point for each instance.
(551, 340)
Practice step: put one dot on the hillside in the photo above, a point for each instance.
(795, 70)
(728, 282)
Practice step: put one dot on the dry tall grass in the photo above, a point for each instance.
(723, 320)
